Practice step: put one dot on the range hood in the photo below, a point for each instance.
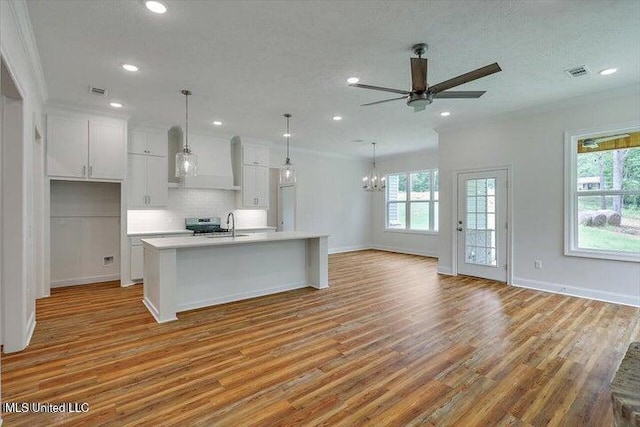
(214, 161)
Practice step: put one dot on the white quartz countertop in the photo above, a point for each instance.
(203, 241)
(159, 232)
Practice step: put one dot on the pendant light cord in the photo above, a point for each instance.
(288, 116)
(186, 136)
(186, 94)
(374, 154)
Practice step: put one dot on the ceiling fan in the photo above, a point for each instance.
(422, 94)
(593, 142)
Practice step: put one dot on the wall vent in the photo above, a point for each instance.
(578, 71)
(98, 91)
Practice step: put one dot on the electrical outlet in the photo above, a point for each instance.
(107, 260)
(537, 264)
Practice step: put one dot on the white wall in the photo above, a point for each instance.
(330, 198)
(85, 227)
(532, 142)
(403, 241)
(19, 53)
(184, 203)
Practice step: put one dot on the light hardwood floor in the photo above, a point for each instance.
(389, 343)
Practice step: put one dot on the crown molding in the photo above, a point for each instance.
(20, 15)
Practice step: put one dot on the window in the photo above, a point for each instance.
(412, 201)
(602, 212)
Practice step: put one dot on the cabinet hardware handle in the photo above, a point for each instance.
(84, 170)
(90, 170)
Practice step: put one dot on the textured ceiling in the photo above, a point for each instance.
(248, 62)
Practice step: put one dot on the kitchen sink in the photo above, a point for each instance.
(217, 236)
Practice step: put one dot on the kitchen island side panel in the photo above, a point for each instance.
(218, 274)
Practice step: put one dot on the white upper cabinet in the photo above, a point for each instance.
(251, 173)
(106, 150)
(148, 175)
(154, 143)
(85, 148)
(67, 146)
(255, 155)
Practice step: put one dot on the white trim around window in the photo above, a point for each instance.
(407, 203)
(572, 193)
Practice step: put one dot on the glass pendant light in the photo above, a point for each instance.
(373, 181)
(287, 172)
(186, 161)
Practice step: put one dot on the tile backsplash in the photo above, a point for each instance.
(193, 202)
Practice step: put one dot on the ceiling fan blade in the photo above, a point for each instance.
(419, 108)
(384, 89)
(460, 94)
(386, 100)
(466, 78)
(419, 74)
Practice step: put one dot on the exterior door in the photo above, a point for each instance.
(482, 224)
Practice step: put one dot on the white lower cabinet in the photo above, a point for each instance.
(136, 254)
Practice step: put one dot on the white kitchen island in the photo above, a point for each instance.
(185, 273)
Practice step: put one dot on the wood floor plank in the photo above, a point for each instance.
(390, 342)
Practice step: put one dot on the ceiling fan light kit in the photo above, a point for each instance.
(421, 94)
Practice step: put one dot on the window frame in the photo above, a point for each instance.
(431, 202)
(571, 192)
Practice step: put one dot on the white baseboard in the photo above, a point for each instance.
(240, 296)
(349, 249)
(31, 326)
(405, 251)
(154, 311)
(557, 288)
(445, 270)
(84, 280)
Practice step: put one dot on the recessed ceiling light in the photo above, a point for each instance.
(445, 114)
(130, 67)
(608, 71)
(115, 104)
(155, 6)
(337, 118)
(286, 135)
(353, 80)
(217, 123)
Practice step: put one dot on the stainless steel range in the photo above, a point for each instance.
(208, 225)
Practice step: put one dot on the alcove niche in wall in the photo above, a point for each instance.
(85, 232)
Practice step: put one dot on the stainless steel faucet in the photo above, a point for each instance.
(233, 224)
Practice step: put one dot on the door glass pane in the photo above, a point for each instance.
(480, 245)
(435, 216)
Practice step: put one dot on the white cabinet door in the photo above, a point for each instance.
(106, 150)
(255, 186)
(136, 256)
(248, 186)
(255, 155)
(261, 186)
(157, 143)
(137, 142)
(137, 182)
(157, 181)
(67, 146)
